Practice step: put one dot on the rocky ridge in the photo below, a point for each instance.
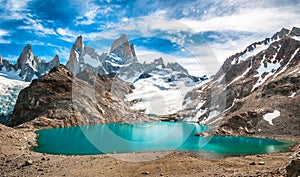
(92, 91)
(255, 91)
(15, 77)
(59, 99)
(28, 66)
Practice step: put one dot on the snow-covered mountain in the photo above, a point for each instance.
(14, 77)
(159, 87)
(255, 91)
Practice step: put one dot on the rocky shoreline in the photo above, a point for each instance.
(18, 159)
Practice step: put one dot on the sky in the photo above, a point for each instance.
(190, 31)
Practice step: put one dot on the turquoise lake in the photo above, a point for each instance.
(143, 137)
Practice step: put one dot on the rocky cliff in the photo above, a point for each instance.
(59, 99)
(256, 91)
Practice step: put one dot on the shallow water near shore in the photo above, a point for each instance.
(145, 137)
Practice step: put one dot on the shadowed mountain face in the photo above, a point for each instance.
(15, 77)
(59, 99)
(256, 91)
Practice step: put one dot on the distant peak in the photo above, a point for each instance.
(295, 31)
(283, 32)
(79, 42)
(27, 48)
(56, 58)
(124, 36)
(122, 48)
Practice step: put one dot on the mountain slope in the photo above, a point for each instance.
(15, 77)
(255, 91)
(153, 82)
(60, 99)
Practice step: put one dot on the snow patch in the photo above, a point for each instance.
(251, 53)
(154, 100)
(242, 75)
(270, 116)
(293, 71)
(9, 90)
(293, 95)
(211, 115)
(270, 70)
(286, 66)
(91, 61)
(233, 103)
(296, 38)
(199, 113)
(200, 104)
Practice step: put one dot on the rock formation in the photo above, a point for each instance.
(255, 91)
(29, 66)
(76, 51)
(122, 48)
(59, 99)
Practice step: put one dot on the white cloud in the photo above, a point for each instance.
(63, 32)
(88, 11)
(13, 9)
(4, 33)
(254, 20)
(37, 27)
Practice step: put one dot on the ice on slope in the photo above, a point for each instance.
(269, 70)
(251, 53)
(158, 96)
(10, 86)
(242, 75)
(213, 114)
(286, 66)
(91, 61)
(270, 116)
(296, 38)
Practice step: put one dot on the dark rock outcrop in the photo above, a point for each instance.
(60, 99)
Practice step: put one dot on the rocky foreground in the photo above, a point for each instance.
(18, 159)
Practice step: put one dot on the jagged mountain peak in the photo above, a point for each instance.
(79, 43)
(269, 44)
(122, 48)
(28, 66)
(261, 80)
(75, 53)
(295, 31)
(282, 33)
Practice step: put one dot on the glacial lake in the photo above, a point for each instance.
(143, 137)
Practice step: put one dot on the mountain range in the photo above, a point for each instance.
(153, 83)
(15, 77)
(255, 92)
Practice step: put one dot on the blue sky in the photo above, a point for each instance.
(208, 30)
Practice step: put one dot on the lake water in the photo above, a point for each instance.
(143, 137)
